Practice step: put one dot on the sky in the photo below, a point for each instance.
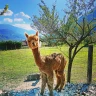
(20, 11)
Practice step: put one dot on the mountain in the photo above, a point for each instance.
(9, 32)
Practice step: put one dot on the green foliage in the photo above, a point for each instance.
(78, 8)
(10, 45)
(48, 22)
(61, 30)
(5, 9)
(83, 31)
(69, 31)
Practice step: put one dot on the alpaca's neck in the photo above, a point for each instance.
(37, 57)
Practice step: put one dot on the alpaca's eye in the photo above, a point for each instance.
(28, 40)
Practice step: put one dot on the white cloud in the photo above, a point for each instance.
(18, 19)
(8, 13)
(22, 14)
(24, 26)
(8, 20)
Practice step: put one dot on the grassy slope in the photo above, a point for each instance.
(15, 65)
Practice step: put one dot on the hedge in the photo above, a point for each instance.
(10, 45)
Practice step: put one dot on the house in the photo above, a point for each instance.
(24, 43)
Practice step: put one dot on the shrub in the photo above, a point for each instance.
(10, 45)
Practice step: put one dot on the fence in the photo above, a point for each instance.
(17, 65)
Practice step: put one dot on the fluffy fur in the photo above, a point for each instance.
(48, 64)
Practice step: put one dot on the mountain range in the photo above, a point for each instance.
(9, 32)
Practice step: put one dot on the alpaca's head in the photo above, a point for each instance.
(32, 40)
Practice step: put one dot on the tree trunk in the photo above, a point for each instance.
(69, 71)
(69, 65)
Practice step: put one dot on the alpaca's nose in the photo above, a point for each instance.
(33, 43)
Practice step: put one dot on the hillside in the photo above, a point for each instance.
(9, 32)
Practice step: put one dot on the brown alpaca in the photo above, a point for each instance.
(48, 64)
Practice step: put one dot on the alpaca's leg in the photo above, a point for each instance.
(62, 75)
(50, 83)
(62, 78)
(44, 81)
(62, 82)
(58, 81)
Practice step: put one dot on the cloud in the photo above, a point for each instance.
(22, 14)
(24, 26)
(8, 13)
(18, 19)
(8, 20)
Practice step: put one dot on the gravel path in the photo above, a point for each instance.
(70, 89)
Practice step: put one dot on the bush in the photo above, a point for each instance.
(10, 45)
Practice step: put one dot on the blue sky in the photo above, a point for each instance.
(20, 11)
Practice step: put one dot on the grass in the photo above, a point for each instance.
(15, 65)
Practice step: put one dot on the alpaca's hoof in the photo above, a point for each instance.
(59, 90)
(55, 88)
(41, 94)
(51, 94)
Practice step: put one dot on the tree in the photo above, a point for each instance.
(4, 10)
(48, 42)
(73, 32)
(79, 31)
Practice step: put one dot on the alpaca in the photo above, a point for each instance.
(47, 64)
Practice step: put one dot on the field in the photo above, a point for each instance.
(16, 65)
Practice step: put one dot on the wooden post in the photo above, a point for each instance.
(89, 67)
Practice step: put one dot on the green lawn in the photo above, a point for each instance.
(15, 65)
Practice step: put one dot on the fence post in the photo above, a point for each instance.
(89, 66)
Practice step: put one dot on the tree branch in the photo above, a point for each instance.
(79, 25)
(91, 21)
(72, 36)
(89, 31)
(84, 46)
(64, 39)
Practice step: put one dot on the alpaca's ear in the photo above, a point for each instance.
(37, 33)
(26, 35)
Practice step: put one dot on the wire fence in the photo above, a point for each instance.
(16, 65)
